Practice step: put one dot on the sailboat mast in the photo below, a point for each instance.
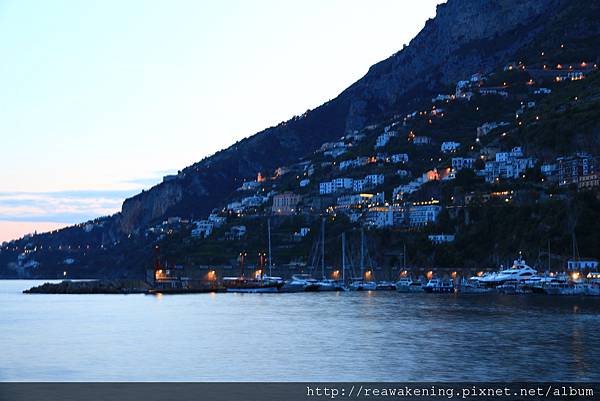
(269, 233)
(362, 252)
(549, 268)
(323, 247)
(344, 258)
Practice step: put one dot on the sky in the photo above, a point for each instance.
(99, 100)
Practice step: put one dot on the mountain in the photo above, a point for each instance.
(465, 37)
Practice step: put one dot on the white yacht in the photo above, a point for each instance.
(519, 271)
(300, 283)
(331, 285)
(385, 286)
(471, 286)
(407, 284)
(436, 285)
(362, 285)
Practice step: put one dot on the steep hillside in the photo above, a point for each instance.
(465, 36)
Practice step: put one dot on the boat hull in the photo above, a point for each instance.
(438, 290)
(256, 290)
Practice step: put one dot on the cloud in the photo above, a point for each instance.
(64, 207)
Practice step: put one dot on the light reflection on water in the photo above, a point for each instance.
(313, 336)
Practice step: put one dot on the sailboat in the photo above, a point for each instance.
(362, 283)
(327, 284)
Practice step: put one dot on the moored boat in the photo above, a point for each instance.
(251, 285)
(385, 286)
(473, 287)
(436, 285)
(565, 288)
(300, 283)
(519, 271)
(406, 284)
(360, 284)
(331, 285)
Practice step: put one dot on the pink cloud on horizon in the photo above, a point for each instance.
(10, 230)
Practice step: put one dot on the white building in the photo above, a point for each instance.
(235, 207)
(422, 214)
(507, 165)
(450, 146)
(249, 186)
(458, 163)
(384, 216)
(582, 264)
(441, 98)
(203, 229)
(549, 169)
(253, 201)
(515, 152)
(358, 162)
(374, 180)
(334, 153)
(399, 158)
(358, 185)
(335, 185)
(332, 145)
(441, 238)
(488, 127)
(422, 140)
(236, 232)
(354, 200)
(217, 220)
(384, 138)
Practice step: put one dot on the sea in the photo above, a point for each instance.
(346, 336)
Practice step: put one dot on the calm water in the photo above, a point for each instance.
(327, 336)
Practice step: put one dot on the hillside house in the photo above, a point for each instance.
(421, 140)
(458, 163)
(384, 216)
(335, 185)
(440, 238)
(235, 233)
(202, 229)
(589, 181)
(486, 128)
(572, 167)
(423, 213)
(582, 264)
(450, 147)
(285, 203)
(399, 158)
(384, 138)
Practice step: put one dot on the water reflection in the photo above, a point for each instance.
(319, 336)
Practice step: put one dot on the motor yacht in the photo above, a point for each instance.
(436, 285)
(519, 271)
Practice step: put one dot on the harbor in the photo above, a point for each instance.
(519, 279)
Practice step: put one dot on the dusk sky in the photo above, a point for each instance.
(99, 100)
